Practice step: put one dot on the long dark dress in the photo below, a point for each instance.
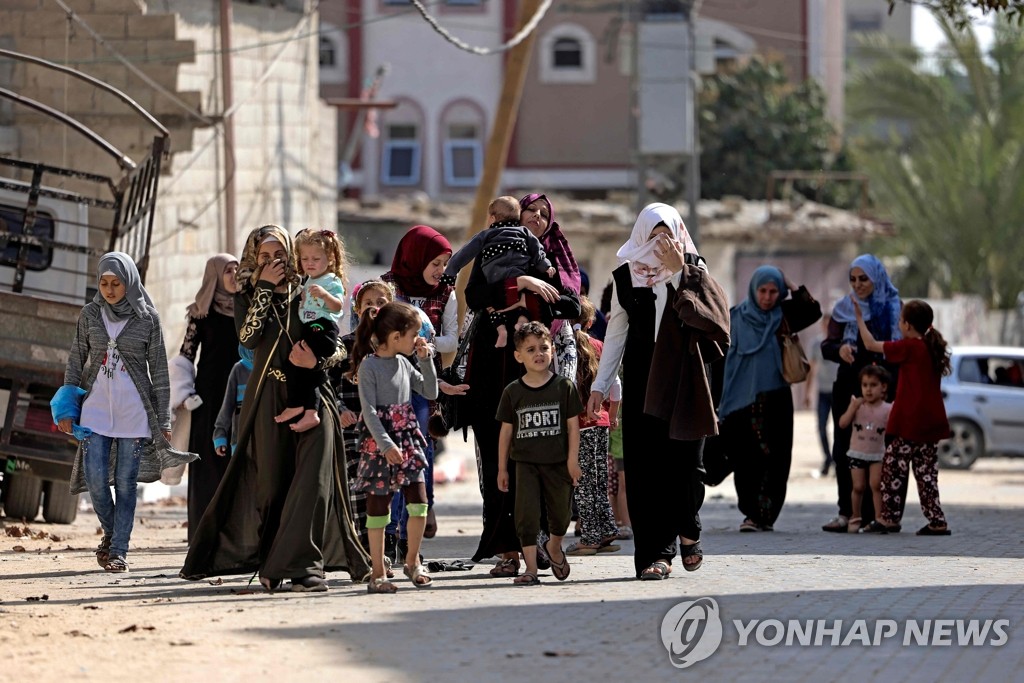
(759, 436)
(664, 486)
(488, 372)
(282, 506)
(215, 341)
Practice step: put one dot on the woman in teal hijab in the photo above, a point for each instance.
(757, 404)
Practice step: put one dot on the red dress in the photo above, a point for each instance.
(918, 413)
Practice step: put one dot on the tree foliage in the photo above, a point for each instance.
(957, 11)
(952, 182)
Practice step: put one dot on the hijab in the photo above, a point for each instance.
(212, 291)
(753, 364)
(417, 248)
(646, 269)
(249, 268)
(556, 246)
(883, 306)
(136, 299)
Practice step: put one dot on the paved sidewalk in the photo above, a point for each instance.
(601, 624)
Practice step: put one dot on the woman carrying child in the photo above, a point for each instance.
(392, 452)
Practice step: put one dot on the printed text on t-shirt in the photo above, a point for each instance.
(542, 420)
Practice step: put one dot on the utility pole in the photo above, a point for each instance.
(693, 163)
(516, 66)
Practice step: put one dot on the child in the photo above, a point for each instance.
(119, 364)
(392, 450)
(918, 418)
(597, 520)
(868, 413)
(321, 258)
(225, 429)
(369, 296)
(505, 250)
(540, 432)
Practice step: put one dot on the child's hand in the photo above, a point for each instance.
(423, 349)
(65, 425)
(551, 272)
(503, 480)
(856, 307)
(222, 451)
(348, 418)
(394, 456)
(574, 471)
(857, 401)
(317, 291)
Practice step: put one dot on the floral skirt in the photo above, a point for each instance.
(376, 476)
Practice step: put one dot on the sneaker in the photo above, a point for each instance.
(391, 548)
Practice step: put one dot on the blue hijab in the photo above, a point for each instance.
(883, 306)
(753, 364)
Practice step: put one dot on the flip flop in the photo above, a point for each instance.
(579, 550)
(932, 531)
(559, 569)
(748, 526)
(609, 548)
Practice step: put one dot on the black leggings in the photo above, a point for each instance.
(378, 506)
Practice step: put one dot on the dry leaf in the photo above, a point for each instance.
(18, 549)
(216, 582)
(55, 538)
(37, 598)
(78, 634)
(552, 653)
(90, 607)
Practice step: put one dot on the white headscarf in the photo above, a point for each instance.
(646, 270)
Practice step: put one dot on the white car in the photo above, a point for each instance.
(984, 396)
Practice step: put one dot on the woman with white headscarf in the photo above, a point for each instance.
(117, 370)
(669, 319)
(282, 506)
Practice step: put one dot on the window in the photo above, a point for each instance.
(401, 162)
(463, 156)
(568, 54)
(658, 10)
(463, 3)
(864, 22)
(328, 53)
(12, 220)
(1006, 372)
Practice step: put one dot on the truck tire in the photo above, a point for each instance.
(59, 505)
(22, 498)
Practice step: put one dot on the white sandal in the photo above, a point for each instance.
(416, 573)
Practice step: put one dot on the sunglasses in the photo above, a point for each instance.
(861, 278)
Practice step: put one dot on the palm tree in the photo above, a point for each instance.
(953, 180)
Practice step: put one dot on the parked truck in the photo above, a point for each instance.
(55, 222)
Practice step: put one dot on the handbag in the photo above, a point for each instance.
(450, 413)
(795, 366)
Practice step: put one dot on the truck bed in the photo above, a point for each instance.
(35, 337)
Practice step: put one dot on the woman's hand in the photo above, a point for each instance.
(789, 283)
(538, 287)
(348, 418)
(301, 356)
(273, 272)
(393, 456)
(847, 353)
(594, 404)
(65, 425)
(670, 252)
(452, 389)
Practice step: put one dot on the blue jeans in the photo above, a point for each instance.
(117, 519)
(399, 515)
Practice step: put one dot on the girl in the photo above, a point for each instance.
(321, 258)
(369, 296)
(918, 418)
(867, 415)
(392, 451)
(118, 363)
(596, 519)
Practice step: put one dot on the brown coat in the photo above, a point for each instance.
(694, 331)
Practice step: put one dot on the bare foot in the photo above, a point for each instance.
(502, 337)
(521, 321)
(288, 414)
(309, 420)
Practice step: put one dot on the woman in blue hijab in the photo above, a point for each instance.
(757, 404)
(879, 301)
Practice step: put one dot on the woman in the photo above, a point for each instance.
(211, 330)
(662, 295)
(415, 275)
(489, 369)
(115, 400)
(757, 402)
(880, 303)
(282, 507)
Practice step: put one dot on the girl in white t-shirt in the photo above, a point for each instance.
(868, 413)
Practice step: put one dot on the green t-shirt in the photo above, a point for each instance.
(538, 417)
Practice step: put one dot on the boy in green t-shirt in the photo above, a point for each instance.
(540, 431)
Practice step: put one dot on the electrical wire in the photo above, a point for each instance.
(519, 37)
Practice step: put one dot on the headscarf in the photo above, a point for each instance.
(883, 306)
(212, 290)
(248, 267)
(556, 246)
(417, 248)
(639, 248)
(753, 364)
(136, 299)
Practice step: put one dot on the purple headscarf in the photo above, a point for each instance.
(556, 246)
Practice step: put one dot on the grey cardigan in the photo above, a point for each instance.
(141, 343)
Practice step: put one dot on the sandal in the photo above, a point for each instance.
(928, 530)
(854, 526)
(309, 584)
(116, 564)
(580, 550)
(657, 571)
(559, 569)
(527, 579)
(270, 585)
(838, 524)
(607, 545)
(874, 527)
(748, 526)
(692, 550)
(416, 573)
(381, 585)
(103, 552)
(388, 571)
(505, 569)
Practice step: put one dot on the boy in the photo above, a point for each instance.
(540, 431)
(505, 250)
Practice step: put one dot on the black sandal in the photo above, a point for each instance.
(692, 550)
(103, 552)
(657, 571)
(116, 564)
